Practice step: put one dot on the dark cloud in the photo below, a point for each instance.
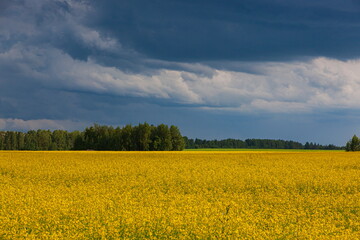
(233, 30)
(4, 4)
(216, 69)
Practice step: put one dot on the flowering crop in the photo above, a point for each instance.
(179, 195)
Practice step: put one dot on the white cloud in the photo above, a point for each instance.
(24, 125)
(321, 83)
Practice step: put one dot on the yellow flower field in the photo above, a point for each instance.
(179, 195)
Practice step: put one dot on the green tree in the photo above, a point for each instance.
(90, 137)
(177, 141)
(10, 140)
(21, 140)
(126, 138)
(43, 138)
(2, 140)
(31, 141)
(59, 140)
(163, 140)
(353, 144)
(117, 139)
(141, 136)
(76, 141)
(104, 137)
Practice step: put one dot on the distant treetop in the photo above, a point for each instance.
(143, 137)
(353, 144)
(254, 144)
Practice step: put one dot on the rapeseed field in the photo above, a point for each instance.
(179, 195)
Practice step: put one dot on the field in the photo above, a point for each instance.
(179, 195)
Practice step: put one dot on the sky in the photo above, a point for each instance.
(272, 69)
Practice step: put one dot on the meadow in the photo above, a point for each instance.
(179, 195)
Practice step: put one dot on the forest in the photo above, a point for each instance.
(143, 137)
(255, 144)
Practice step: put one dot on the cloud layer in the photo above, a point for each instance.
(66, 61)
(23, 125)
(234, 30)
(275, 86)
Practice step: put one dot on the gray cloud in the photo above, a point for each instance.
(233, 30)
(22, 125)
(71, 62)
(276, 87)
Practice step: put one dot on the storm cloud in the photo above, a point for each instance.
(67, 63)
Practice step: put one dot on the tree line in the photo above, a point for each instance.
(143, 137)
(353, 144)
(254, 144)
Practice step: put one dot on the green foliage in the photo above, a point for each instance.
(44, 139)
(126, 138)
(59, 140)
(20, 140)
(253, 144)
(143, 137)
(163, 138)
(353, 144)
(31, 141)
(2, 139)
(177, 141)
